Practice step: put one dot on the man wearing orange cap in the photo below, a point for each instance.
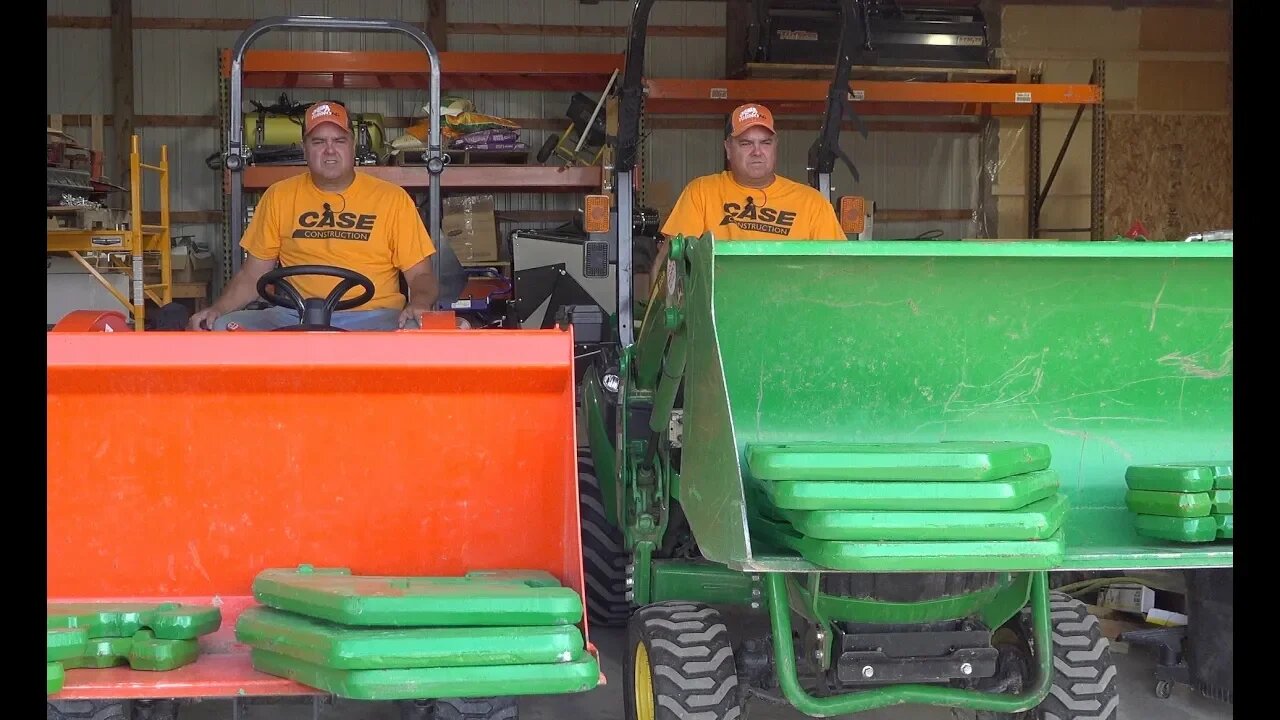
(748, 201)
(332, 215)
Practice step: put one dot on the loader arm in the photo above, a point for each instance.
(653, 356)
(826, 147)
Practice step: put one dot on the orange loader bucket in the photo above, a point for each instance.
(180, 465)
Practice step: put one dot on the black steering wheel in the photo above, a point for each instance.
(314, 313)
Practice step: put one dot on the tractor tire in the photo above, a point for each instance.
(1084, 677)
(501, 708)
(89, 710)
(604, 559)
(679, 664)
(155, 710)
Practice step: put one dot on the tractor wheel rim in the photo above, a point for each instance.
(643, 684)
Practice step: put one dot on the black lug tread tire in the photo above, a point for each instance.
(415, 709)
(604, 559)
(1084, 676)
(691, 662)
(155, 710)
(89, 710)
(499, 708)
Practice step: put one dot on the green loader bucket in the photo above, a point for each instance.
(1091, 357)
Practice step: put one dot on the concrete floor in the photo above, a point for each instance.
(1137, 699)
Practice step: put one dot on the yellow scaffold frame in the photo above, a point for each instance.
(133, 241)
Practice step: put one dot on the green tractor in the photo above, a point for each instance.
(839, 474)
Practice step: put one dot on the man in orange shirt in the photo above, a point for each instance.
(748, 201)
(332, 215)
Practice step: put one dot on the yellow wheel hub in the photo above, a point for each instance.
(643, 684)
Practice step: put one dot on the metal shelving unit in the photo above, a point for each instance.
(999, 97)
(124, 249)
(397, 70)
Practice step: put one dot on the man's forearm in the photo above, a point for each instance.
(423, 292)
(241, 291)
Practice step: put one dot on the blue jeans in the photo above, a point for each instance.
(276, 317)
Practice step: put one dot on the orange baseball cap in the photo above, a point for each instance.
(750, 115)
(326, 111)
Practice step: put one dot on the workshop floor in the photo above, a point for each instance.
(1135, 665)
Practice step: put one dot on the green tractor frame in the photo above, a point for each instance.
(868, 457)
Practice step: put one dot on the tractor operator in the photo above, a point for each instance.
(332, 215)
(748, 201)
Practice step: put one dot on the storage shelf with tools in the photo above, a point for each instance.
(871, 97)
(979, 95)
(120, 249)
(458, 71)
(410, 70)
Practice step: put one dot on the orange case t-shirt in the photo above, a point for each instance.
(786, 210)
(372, 227)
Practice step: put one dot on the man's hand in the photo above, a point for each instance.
(242, 290)
(204, 319)
(423, 292)
(412, 312)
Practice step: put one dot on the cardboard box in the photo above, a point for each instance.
(192, 266)
(470, 226)
(1182, 86)
(1128, 597)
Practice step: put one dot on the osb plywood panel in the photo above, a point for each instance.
(1184, 29)
(1172, 172)
(1070, 28)
(1182, 86)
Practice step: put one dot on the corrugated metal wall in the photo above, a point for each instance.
(176, 74)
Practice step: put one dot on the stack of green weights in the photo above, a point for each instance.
(399, 638)
(884, 507)
(1184, 502)
(62, 645)
(144, 636)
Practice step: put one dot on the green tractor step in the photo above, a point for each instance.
(960, 556)
(166, 621)
(482, 599)
(435, 682)
(338, 647)
(1038, 521)
(1006, 494)
(954, 461)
